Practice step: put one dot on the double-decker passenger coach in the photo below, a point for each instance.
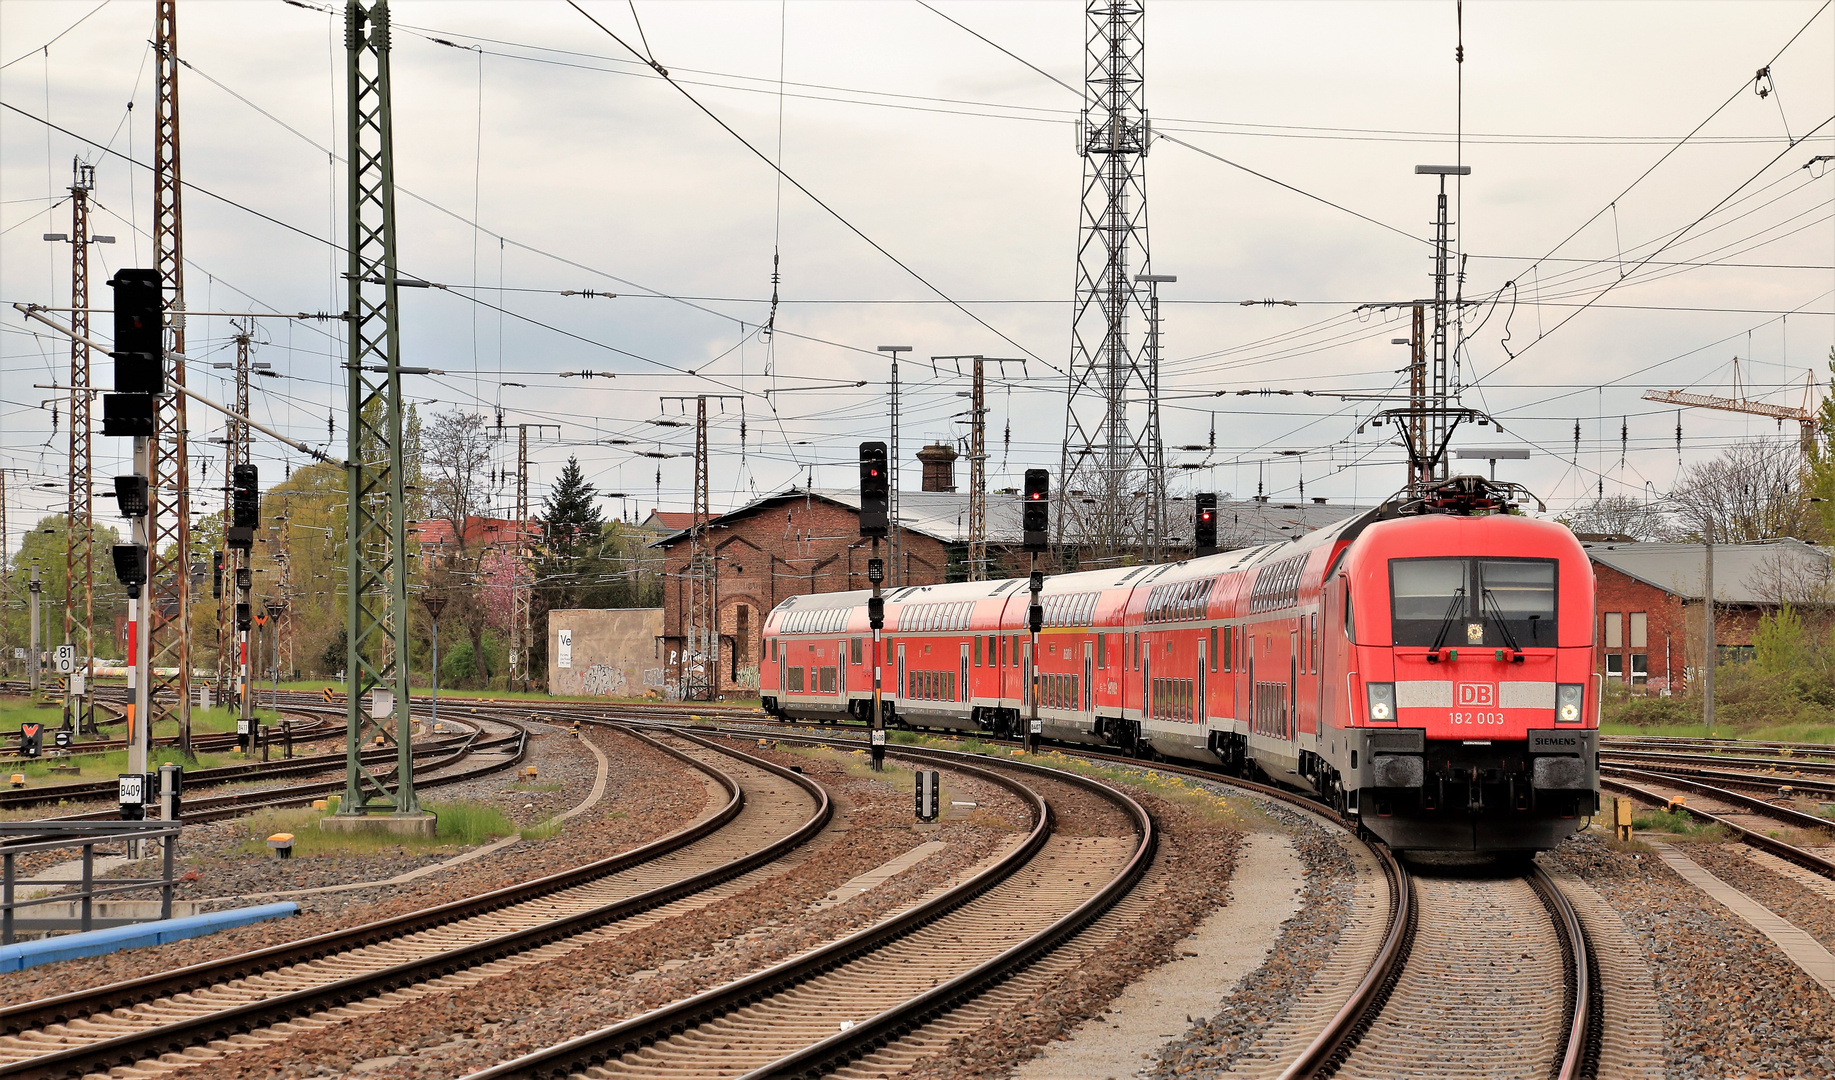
(1425, 667)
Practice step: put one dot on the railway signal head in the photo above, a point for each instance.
(216, 575)
(1204, 531)
(875, 505)
(131, 495)
(131, 566)
(139, 336)
(1035, 510)
(245, 506)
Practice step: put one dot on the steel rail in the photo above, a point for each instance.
(1789, 852)
(585, 1051)
(1580, 1047)
(820, 1059)
(128, 1049)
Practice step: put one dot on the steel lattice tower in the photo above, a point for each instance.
(1113, 494)
(79, 532)
(168, 621)
(375, 525)
(701, 637)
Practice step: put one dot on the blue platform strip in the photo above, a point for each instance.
(25, 954)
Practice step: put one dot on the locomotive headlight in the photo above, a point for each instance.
(1567, 702)
(1382, 701)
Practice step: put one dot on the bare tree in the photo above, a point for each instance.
(1753, 491)
(1618, 515)
(1792, 575)
(456, 459)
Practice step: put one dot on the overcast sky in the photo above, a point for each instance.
(535, 154)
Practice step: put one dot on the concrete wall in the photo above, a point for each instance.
(616, 652)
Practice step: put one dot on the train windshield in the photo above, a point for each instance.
(1473, 602)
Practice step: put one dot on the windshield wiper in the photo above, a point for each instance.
(1497, 612)
(1452, 610)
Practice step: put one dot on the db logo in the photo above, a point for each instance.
(1477, 694)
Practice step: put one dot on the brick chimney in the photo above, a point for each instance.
(939, 467)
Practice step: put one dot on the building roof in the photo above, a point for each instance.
(943, 516)
(669, 521)
(483, 531)
(1761, 573)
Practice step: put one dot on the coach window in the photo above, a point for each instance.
(1213, 648)
(977, 651)
(1615, 630)
(1315, 641)
(857, 651)
(1102, 650)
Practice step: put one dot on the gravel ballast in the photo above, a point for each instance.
(648, 794)
(1732, 1004)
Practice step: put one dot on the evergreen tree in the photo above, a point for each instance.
(571, 515)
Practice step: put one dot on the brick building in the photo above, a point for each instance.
(1651, 601)
(797, 542)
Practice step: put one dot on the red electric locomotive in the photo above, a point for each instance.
(1426, 666)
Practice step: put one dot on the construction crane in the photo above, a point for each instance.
(1805, 418)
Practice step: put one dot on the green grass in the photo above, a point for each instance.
(1677, 823)
(461, 824)
(543, 830)
(1788, 732)
(107, 766)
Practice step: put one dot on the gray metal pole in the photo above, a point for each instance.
(35, 662)
(1707, 705)
(876, 725)
(436, 672)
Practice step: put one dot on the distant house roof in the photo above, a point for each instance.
(481, 531)
(669, 521)
(1759, 573)
(943, 515)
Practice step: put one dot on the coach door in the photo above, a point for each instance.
(841, 668)
(1291, 726)
(898, 690)
(783, 666)
(1027, 676)
(1200, 713)
(1147, 683)
(1089, 675)
(962, 693)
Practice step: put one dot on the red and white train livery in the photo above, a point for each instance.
(1426, 666)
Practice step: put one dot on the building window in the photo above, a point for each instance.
(1640, 623)
(1640, 668)
(1615, 630)
(1615, 665)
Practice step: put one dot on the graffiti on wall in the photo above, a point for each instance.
(604, 680)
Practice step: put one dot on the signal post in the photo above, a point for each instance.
(874, 521)
(1035, 521)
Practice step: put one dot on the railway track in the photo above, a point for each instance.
(493, 753)
(1531, 935)
(205, 1010)
(872, 995)
(1734, 811)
